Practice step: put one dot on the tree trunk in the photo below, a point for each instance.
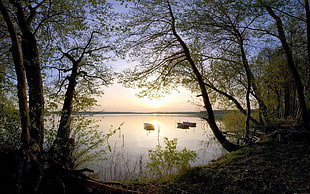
(63, 140)
(249, 84)
(307, 85)
(32, 65)
(287, 101)
(28, 169)
(210, 114)
(256, 92)
(20, 74)
(253, 85)
(292, 68)
(234, 100)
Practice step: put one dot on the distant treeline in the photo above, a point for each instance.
(217, 113)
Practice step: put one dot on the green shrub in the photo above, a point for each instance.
(91, 144)
(10, 128)
(169, 160)
(234, 122)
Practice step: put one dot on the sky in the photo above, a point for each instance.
(117, 98)
(120, 99)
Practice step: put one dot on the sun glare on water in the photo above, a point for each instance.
(155, 123)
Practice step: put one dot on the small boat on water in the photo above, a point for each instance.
(186, 125)
(149, 126)
(191, 124)
(182, 126)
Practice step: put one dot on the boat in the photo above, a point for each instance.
(182, 126)
(149, 126)
(190, 124)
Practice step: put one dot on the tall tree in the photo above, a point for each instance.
(86, 58)
(31, 58)
(210, 114)
(224, 26)
(20, 73)
(154, 30)
(27, 65)
(307, 16)
(32, 26)
(291, 65)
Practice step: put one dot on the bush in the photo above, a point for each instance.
(169, 160)
(90, 144)
(10, 129)
(234, 122)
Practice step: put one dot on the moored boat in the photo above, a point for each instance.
(190, 124)
(149, 126)
(182, 126)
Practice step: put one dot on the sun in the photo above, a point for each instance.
(155, 103)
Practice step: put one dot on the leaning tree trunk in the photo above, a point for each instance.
(20, 74)
(63, 141)
(32, 65)
(234, 100)
(248, 90)
(251, 84)
(292, 68)
(210, 114)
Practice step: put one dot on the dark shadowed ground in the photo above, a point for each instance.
(267, 167)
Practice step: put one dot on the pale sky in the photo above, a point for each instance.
(118, 98)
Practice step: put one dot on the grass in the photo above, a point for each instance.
(267, 167)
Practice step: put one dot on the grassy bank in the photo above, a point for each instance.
(269, 167)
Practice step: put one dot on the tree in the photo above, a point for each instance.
(32, 26)
(291, 64)
(20, 73)
(307, 16)
(154, 31)
(224, 26)
(85, 67)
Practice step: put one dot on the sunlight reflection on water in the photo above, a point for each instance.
(133, 141)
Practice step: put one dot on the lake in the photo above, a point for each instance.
(131, 143)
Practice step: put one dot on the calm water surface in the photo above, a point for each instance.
(134, 141)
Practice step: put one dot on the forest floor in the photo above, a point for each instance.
(265, 167)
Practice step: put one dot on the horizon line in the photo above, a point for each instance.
(144, 112)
